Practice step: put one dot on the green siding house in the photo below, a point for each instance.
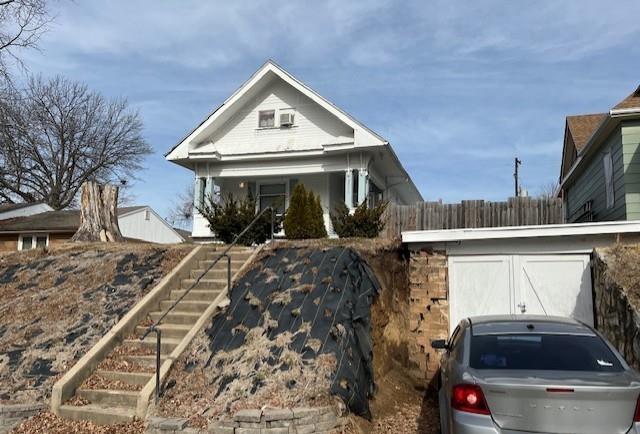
(600, 170)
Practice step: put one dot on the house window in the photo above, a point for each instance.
(273, 195)
(147, 214)
(608, 179)
(29, 242)
(267, 118)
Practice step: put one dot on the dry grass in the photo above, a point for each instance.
(623, 263)
(235, 374)
(364, 246)
(56, 304)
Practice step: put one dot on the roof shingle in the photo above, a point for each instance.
(632, 101)
(4, 207)
(582, 127)
(58, 221)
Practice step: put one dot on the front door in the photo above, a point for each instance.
(272, 195)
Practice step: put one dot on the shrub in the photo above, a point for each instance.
(303, 219)
(231, 216)
(365, 222)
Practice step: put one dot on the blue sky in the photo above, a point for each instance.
(458, 87)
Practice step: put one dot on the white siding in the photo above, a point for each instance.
(154, 230)
(313, 127)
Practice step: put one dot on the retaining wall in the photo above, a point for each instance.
(429, 309)
(616, 318)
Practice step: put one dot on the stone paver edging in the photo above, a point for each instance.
(11, 415)
(301, 420)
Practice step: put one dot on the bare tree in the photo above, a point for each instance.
(548, 190)
(55, 134)
(181, 213)
(22, 22)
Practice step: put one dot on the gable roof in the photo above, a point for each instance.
(582, 127)
(589, 131)
(6, 207)
(53, 221)
(632, 101)
(180, 150)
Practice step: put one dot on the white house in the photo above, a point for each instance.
(275, 132)
(143, 223)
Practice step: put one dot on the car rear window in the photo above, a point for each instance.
(543, 352)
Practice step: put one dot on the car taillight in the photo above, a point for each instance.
(636, 417)
(469, 398)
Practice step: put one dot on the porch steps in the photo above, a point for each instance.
(118, 406)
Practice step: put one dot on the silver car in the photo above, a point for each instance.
(532, 374)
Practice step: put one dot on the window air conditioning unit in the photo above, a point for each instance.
(286, 119)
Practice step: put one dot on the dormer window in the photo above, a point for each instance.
(266, 118)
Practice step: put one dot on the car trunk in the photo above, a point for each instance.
(560, 402)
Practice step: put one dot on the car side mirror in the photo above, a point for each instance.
(439, 344)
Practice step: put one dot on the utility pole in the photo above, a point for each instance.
(515, 176)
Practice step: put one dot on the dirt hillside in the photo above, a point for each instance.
(56, 304)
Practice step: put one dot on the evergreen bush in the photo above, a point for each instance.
(303, 219)
(365, 222)
(230, 216)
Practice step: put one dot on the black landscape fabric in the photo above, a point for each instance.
(329, 291)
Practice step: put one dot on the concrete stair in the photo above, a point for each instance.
(99, 414)
(133, 378)
(119, 406)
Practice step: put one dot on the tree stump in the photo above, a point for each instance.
(98, 213)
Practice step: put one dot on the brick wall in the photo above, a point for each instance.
(429, 308)
(8, 243)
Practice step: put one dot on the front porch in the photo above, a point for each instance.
(351, 187)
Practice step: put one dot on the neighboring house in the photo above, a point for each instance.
(600, 171)
(275, 132)
(54, 227)
(11, 210)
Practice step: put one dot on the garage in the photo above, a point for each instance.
(540, 270)
(556, 284)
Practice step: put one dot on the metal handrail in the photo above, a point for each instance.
(153, 328)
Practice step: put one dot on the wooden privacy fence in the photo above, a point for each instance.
(516, 211)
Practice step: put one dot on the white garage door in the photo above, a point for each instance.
(516, 284)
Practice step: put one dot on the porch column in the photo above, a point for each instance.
(348, 188)
(363, 185)
(198, 194)
(208, 191)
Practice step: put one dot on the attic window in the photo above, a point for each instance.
(267, 119)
